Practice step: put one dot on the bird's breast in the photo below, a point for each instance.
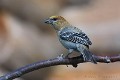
(68, 45)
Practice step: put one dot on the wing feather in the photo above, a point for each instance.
(75, 37)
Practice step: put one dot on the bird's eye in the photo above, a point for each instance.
(54, 19)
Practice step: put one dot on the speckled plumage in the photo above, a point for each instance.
(78, 37)
(71, 37)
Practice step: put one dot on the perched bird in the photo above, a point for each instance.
(71, 37)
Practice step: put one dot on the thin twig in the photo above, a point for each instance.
(53, 62)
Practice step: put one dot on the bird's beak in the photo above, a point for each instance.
(48, 21)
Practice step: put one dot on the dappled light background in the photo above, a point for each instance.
(25, 38)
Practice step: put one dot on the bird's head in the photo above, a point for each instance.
(57, 22)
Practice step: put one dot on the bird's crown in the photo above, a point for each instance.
(57, 17)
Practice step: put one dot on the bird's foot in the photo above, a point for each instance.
(84, 58)
(61, 56)
(107, 59)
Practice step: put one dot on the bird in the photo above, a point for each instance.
(72, 38)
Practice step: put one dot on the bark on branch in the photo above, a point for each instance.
(60, 60)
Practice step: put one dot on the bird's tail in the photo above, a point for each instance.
(88, 56)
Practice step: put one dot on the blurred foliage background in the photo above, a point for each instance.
(25, 38)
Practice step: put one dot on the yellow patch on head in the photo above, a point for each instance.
(58, 17)
(53, 16)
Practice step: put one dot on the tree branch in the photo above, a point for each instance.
(60, 60)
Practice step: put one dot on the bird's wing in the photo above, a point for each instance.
(75, 37)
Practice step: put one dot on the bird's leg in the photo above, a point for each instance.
(69, 52)
(80, 49)
(84, 57)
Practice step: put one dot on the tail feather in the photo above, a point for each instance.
(89, 56)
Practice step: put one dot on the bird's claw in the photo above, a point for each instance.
(60, 56)
(107, 59)
(84, 58)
